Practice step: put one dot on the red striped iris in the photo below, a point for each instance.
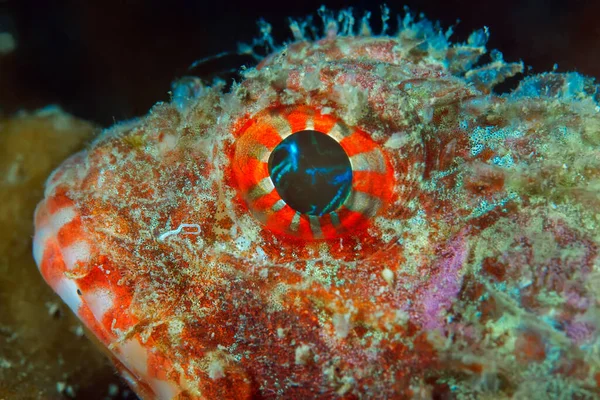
(372, 177)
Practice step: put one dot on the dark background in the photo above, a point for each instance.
(109, 60)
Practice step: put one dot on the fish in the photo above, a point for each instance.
(361, 215)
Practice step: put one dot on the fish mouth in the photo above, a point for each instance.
(68, 260)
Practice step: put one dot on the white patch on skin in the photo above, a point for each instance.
(215, 369)
(78, 252)
(260, 254)
(341, 324)
(339, 132)
(310, 124)
(303, 355)
(311, 80)
(369, 161)
(175, 327)
(242, 243)
(397, 140)
(135, 357)
(388, 276)
(168, 143)
(354, 98)
(50, 230)
(99, 301)
(164, 389)
(56, 176)
(67, 290)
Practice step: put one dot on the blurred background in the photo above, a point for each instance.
(107, 60)
(104, 61)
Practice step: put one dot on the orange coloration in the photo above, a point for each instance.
(475, 368)
(170, 241)
(267, 201)
(281, 220)
(494, 268)
(374, 183)
(351, 219)
(304, 231)
(530, 347)
(53, 266)
(357, 142)
(323, 123)
(249, 171)
(70, 233)
(297, 117)
(87, 316)
(328, 228)
(56, 203)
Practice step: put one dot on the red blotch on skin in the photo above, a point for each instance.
(249, 172)
(159, 366)
(489, 310)
(241, 125)
(494, 268)
(281, 220)
(529, 347)
(58, 201)
(102, 332)
(70, 233)
(118, 316)
(484, 179)
(267, 201)
(357, 142)
(53, 265)
(383, 51)
(351, 219)
(304, 229)
(297, 119)
(376, 184)
(474, 368)
(327, 227)
(324, 123)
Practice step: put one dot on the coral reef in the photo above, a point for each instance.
(463, 262)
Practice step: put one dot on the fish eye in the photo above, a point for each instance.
(309, 175)
(311, 172)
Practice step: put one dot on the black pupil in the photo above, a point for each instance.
(311, 172)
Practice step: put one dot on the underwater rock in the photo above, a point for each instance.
(42, 351)
(463, 262)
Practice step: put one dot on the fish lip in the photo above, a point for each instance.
(48, 253)
(62, 265)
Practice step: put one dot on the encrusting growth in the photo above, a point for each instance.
(461, 261)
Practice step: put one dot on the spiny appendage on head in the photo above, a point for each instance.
(459, 249)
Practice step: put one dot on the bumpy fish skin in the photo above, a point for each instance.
(467, 264)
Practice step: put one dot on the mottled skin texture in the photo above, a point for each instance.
(477, 276)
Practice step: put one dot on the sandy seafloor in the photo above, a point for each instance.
(64, 55)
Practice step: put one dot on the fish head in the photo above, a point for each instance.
(305, 232)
